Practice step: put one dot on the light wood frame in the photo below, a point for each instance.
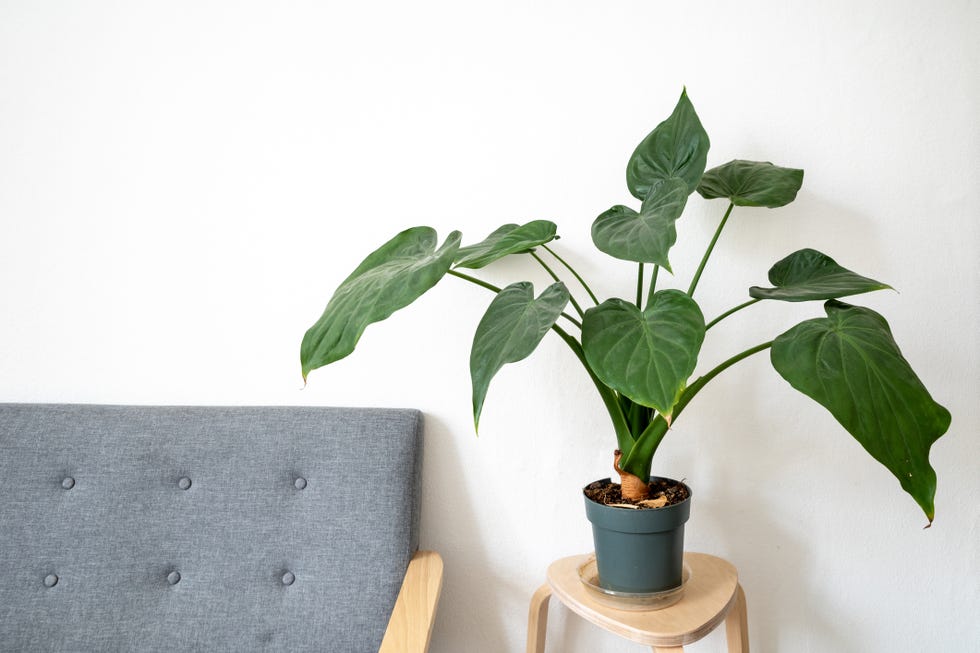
(410, 625)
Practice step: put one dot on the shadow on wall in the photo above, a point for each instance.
(776, 569)
(812, 221)
(783, 572)
(469, 609)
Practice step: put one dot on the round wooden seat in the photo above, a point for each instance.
(712, 595)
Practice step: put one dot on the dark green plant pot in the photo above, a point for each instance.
(639, 551)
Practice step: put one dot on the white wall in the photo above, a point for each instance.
(182, 185)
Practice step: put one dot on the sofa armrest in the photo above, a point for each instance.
(411, 621)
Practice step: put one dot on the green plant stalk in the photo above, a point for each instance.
(707, 253)
(479, 282)
(653, 284)
(701, 381)
(639, 287)
(637, 414)
(554, 276)
(574, 273)
(624, 437)
(639, 459)
(730, 312)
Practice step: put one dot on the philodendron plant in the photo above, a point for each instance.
(641, 352)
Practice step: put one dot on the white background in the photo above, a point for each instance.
(183, 184)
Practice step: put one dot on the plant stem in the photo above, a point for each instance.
(479, 282)
(700, 382)
(554, 276)
(653, 284)
(571, 319)
(730, 312)
(639, 287)
(639, 459)
(574, 273)
(490, 286)
(707, 253)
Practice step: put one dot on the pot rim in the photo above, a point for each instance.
(625, 520)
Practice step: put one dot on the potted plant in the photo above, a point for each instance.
(641, 351)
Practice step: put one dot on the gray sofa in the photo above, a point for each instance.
(126, 528)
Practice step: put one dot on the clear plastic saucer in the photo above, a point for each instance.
(588, 573)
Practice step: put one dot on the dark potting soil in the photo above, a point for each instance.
(609, 493)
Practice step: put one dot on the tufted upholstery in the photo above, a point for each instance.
(204, 529)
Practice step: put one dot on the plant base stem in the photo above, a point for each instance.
(633, 487)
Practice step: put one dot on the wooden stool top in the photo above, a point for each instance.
(708, 596)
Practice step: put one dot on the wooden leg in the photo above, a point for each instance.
(737, 624)
(668, 649)
(537, 619)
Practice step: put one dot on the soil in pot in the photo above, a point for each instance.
(663, 492)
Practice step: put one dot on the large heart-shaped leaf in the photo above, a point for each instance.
(678, 147)
(808, 274)
(647, 236)
(649, 355)
(390, 278)
(752, 183)
(849, 363)
(508, 239)
(512, 327)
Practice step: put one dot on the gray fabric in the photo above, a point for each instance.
(126, 528)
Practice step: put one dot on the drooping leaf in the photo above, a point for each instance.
(508, 239)
(646, 355)
(390, 278)
(647, 236)
(512, 327)
(752, 183)
(849, 363)
(808, 274)
(678, 147)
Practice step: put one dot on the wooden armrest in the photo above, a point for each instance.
(411, 621)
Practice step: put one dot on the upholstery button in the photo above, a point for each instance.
(68, 483)
(50, 580)
(184, 483)
(300, 483)
(288, 578)
(173, 577)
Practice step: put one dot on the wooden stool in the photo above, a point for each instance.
(712, 595)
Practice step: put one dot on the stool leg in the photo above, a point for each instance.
(737, 624)
(668, 649)
(537, 619)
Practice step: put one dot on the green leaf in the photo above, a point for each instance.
(512, 327)
(647, 236)
(649, 355)
(508, 239)
(849, 363)
(752, 183)
(390, 278)
(678, 147)
(808, 274)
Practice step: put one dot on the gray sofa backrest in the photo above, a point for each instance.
(127, 528)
